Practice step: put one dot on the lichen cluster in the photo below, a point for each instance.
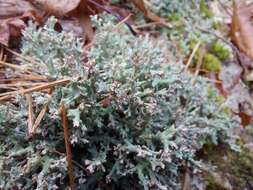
(134, 120)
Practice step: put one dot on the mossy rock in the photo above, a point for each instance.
(214, 184)
(237, 168)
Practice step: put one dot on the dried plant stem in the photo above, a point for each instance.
(67, 146)
(146, 25)
(124, 20)
(5, 98)
(192, 55)
(24, 78)
(199, 63)
(17, 67)
(2, 56)
(18, 84)
(212, 80)
(37, 88)
(25, 58)
(30, 112)
(39, 118)
(41, 114)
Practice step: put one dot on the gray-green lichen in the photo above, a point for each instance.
(134, 120)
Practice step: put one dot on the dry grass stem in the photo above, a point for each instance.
(67, 146)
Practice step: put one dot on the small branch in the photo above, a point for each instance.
(18, 84)
(30, 112)
(67, 146)
(199, 63)
(17, 67)
(39, 118)
(25, 58)
(192, 55)
(124, 20)
(36, 88)
(41, 114)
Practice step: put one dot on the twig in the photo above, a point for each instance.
(41, 114)
(199, 63)
(30, 112)
(37, 88)
(2, 56)
(124, 20)
(24, 77)
(39, 118)
(14, 66)
(75, 162)
(212, 80)
(5, 98)
(67, 146)
(26, 58)
(21, 84)
(146, 25)
(192, 55)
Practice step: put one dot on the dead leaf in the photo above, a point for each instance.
(86, 25)
(13, 26)
(13, 8)
(230, 76)
(141, 6)
(13, 14)
(242, 28)
(71, 25)
(59, 7)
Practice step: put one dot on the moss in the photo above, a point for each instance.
(174, 17)
(216, 25)
(237, 168)
(213, 184)
(219, 51)
(242, 168)
(211, 63)
(205, 10)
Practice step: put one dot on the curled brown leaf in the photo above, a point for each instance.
(59, 7)
(242, 28)
(13, 8)
(12, 27)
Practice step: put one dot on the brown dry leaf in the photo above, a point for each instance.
(141, 6)
(11, 19)
(12, 27)
(13, 8)
(242, 28)
(59, 7)
(72, 25)
(12, 16)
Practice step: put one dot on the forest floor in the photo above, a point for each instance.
(212, 39)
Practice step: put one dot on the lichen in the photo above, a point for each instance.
(134, 119)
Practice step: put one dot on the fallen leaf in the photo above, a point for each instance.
(230, 76)
(13, 8)
(242, 28)
(12, 27)
(141, 6)
(58, 7)
(71, 25)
